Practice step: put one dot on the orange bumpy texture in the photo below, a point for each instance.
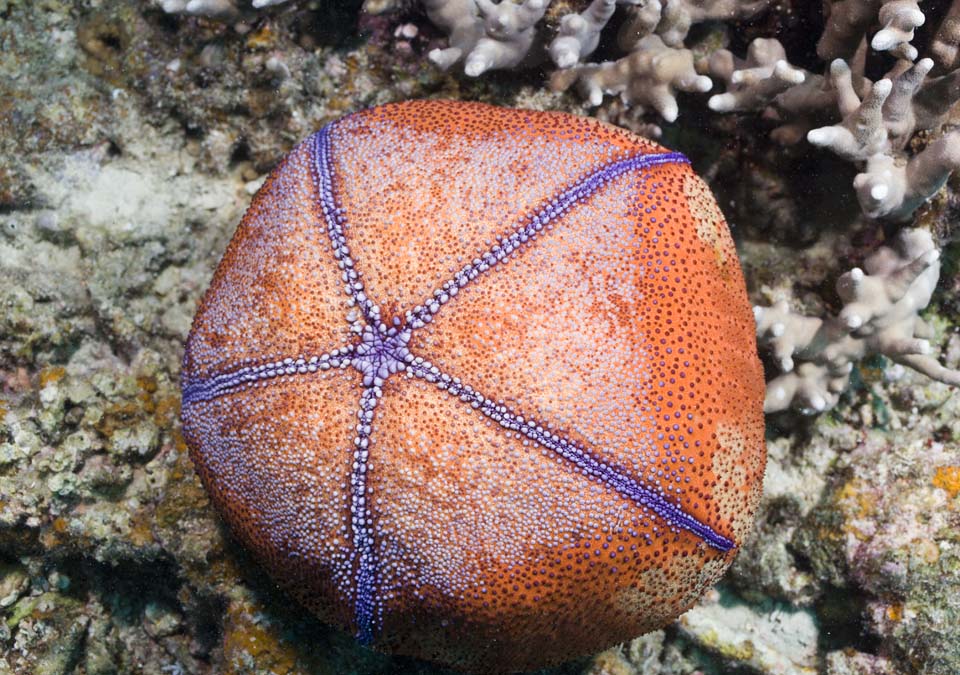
(481, 385)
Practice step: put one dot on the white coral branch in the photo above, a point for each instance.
(222, 10)
(945, 46)
(579, 34)
(849, 20)
(753, 83)
(880, 315)
(483, 34)
(894, 189)
(509, 31)
(648, 77)
(460, 20)
(862, 133)
(874, 131)
(899, 19)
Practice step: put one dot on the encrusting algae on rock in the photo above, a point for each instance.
(480, 385)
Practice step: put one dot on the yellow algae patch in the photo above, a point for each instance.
(51, 375)
(610, 662)
(263, 38)
(56, 535)
(247, 640)
(856, 501)
(141, 530)
(924, 551)
(184, 497)
(948, 478)
(856, 497)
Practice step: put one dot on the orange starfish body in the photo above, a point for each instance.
(481, 385)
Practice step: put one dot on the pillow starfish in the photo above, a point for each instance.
(481, 385)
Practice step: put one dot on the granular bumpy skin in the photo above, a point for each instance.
(481, 385)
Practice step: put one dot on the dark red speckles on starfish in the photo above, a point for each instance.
(480, 385)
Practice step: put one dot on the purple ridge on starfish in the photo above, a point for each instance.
(366, 579)
(335, 220)
(640, 494)
(532, 226)
(262, 374)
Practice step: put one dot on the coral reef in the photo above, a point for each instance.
(579, 34)
(849, 20)
(130, 142)
(657, 65)
(875, 128)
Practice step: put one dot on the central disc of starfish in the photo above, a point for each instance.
(382, 351)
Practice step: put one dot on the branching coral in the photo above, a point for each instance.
(486, 36)
(861, 134)
(879, 316)
(657, 65)
(226, 10)
(895, 189)
(579, 34)
(849, 20)
(649, 77)
(899, 19)
(672, 19)
(876, 120)
(945, 46)
(765, 81)
(875, 129)
(754, 82)
(483, 34)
